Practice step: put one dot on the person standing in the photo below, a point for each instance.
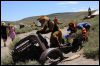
(8, 28)
(12, 32)
(56, 20)
(4, 32)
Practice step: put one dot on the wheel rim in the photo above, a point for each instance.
(52, 57)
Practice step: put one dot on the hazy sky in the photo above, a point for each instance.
(16, 10)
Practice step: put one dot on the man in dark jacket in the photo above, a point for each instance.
(4, 32)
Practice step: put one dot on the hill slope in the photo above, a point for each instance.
(63, 17)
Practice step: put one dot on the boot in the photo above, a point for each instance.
(4, 44)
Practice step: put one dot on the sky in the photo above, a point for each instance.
(17, 10)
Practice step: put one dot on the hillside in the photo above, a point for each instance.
(63, 17)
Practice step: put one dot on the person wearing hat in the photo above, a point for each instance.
(4, 32)
(50, 26)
